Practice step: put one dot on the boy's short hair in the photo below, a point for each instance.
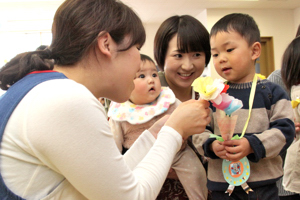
(192, 37)
(241, 23)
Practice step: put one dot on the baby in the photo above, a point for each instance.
(148, 103)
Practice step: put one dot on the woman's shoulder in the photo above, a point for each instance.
(61, 93)
(63, 87)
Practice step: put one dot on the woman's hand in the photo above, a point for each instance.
(190, 117)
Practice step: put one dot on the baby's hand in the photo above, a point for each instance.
(237, 149)
(219, 149)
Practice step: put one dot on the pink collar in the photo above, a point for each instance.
(42, 71)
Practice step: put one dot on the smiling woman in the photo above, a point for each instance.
(182, 51)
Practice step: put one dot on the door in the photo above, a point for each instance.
(265, 63)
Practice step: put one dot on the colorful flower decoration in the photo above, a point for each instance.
(215, 91)
(235, 173)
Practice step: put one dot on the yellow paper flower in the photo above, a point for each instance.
(208, 88)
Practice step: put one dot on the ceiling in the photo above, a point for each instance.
(159, 10)
(150, 11)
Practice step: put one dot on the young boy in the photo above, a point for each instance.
(235, 46)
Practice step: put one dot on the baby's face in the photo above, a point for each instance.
(233, 58)
(147, 84)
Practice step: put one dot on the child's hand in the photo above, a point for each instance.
(237, 149)
(219, 149)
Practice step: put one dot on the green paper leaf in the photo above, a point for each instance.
(217, 137)
(236, 137)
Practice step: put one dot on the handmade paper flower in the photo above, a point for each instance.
(226, 100)
(209, 89)
(226, 126)
(215, 91)
(235, 105)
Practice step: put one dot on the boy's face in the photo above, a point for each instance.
(147, 84)
(233, 58)
(181, 69)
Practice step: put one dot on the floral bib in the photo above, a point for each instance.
(139, 114)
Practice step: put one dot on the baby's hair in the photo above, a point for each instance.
(192, 37)
(290, 69)
(241, 23)
(145, 58)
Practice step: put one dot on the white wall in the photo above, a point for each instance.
(296, 18)
(279, 24)
(150, 34)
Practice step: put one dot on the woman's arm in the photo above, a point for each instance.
(117, 132)
(75, 140)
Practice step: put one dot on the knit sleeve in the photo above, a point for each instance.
(279, 136)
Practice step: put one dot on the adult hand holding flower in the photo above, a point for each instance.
(215, 91)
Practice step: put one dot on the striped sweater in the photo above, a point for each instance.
(269, 132)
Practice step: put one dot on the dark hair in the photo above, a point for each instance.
(192, 37)
(76, 27)
(241, 23)
(41, 47)
(298, 31)
(144, 58)
(290, 69)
